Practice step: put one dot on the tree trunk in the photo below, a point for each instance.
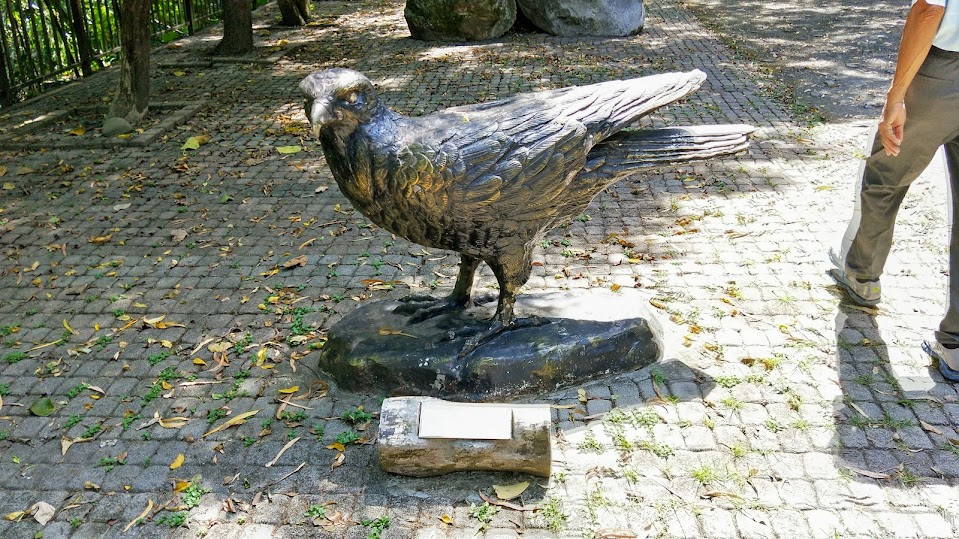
(237, 29)
(133, 92)
(294, 12)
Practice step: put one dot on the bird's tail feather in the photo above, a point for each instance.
(608, 107)
(630, 151)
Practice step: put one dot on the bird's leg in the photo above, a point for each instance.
(423, 307)
(511, 274)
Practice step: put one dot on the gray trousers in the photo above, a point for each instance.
(932, 108)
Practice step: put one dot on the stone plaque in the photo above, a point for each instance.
(451, 420)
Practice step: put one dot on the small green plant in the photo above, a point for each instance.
(316, 511)
(646, 417)
(318, 430)
(732, 403)
(662, 451)
(75, 391)
(727, 381)
(248, 441)
(128, 418)
(658, 376)
(171, 520)
(554, 515)
(242, 343)
(72, 421)
(590, 443)
(109, 463)
(376, 526)
(192, 494)
(215, 415)
(4, 435)
(75, 522)
(92, 431)
(153, 359)
(15, 356)
(119, 312)
(102, 342)
(9, 330)
(357, 417)
(347, 437)
(704, 474)
(295, 417)
(773, 425)
(483, 513)
(4, 389)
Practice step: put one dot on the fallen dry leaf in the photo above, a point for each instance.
(142, 515)
(173, 422)
(929, 428)
(15, 516)
(608, 533)
(237, 420)
(867, 473)
(101, 239)
(338, 460)
(295, 262)
(177, 462)
(42, 512)
(508, 492)
(280, 454)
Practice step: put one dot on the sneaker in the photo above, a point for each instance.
(940, 352)
(863, 293)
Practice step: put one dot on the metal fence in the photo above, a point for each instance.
(47, 42)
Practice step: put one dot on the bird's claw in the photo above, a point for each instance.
(422, 307)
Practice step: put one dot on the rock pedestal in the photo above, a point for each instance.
(614, 18)
(459, 20)
(590, 333)
(424, 437)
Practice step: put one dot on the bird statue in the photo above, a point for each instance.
(488, 180)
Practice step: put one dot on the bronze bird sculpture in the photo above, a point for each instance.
(488, 180)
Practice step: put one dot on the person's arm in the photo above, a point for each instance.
(920, 29)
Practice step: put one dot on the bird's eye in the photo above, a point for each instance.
(352, 97)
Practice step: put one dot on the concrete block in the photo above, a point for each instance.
(423, 437)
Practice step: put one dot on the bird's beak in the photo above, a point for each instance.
(320, 114)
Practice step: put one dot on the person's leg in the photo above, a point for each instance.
(932, 117)
(948, 333)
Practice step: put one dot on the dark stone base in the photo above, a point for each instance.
(590, 333)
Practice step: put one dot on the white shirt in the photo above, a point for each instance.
(948, 36)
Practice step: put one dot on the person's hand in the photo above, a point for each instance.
(890, 127)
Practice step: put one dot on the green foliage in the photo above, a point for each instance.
(192, 494)
(171, 520)
(15, 356)
(76, 390)
(4, 389)
(347, 437)
(483, 513)
(376, 526)
(316, 511)
(357, 417)
(158, 357)
(109, 463)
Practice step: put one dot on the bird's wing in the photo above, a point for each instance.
(604, 108)
(492, 167)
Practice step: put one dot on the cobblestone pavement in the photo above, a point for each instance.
(778, 412)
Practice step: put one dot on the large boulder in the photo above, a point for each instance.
(585, 17)
(459, 20)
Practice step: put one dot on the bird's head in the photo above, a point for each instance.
(338, 98)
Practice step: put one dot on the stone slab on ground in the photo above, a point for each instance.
(579, 335)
